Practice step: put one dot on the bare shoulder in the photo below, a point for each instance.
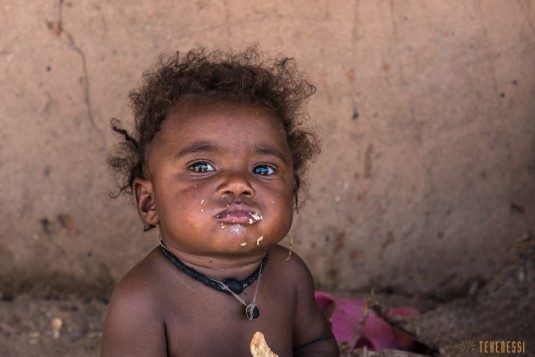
(134, 323)
(140, 285)
(312, 335)
(281, 254)
(292, 266)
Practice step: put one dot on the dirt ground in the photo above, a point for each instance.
(498, 309)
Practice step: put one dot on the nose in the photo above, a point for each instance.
(236, 184)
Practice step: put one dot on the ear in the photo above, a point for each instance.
(144, 199)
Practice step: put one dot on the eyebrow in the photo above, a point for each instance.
(265, 150)
(205, 146)
(196, 147)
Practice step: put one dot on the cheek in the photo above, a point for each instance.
(282, 208)
(176, 205)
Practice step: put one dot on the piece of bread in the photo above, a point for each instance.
(259, 347)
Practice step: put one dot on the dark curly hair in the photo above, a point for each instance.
(244, 77)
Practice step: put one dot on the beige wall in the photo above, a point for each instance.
(423, 191)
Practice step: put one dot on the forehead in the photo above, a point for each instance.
(224, 123)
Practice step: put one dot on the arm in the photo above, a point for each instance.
(312, 333)
(133, 327)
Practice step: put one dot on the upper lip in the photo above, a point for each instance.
(237, 208)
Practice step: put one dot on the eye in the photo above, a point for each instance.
(201, 166)
(264, 170)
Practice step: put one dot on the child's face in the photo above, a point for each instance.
(221, 180)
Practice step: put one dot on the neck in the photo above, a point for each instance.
(219, 267)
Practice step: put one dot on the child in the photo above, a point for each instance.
(215, 165)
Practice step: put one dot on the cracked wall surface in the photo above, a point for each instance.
(425, 109)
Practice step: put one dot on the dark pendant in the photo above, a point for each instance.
(234, 285)
(252, 312)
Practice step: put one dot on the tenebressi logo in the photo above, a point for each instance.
(491, 347)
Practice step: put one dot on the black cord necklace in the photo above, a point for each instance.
(230, 285)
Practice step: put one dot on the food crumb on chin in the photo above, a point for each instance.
(243, 244)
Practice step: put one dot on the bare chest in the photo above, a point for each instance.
(205, 322)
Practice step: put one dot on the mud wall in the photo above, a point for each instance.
(425, 108)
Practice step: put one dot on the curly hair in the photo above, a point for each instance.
(244, 77)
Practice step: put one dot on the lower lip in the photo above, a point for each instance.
(236, 218)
